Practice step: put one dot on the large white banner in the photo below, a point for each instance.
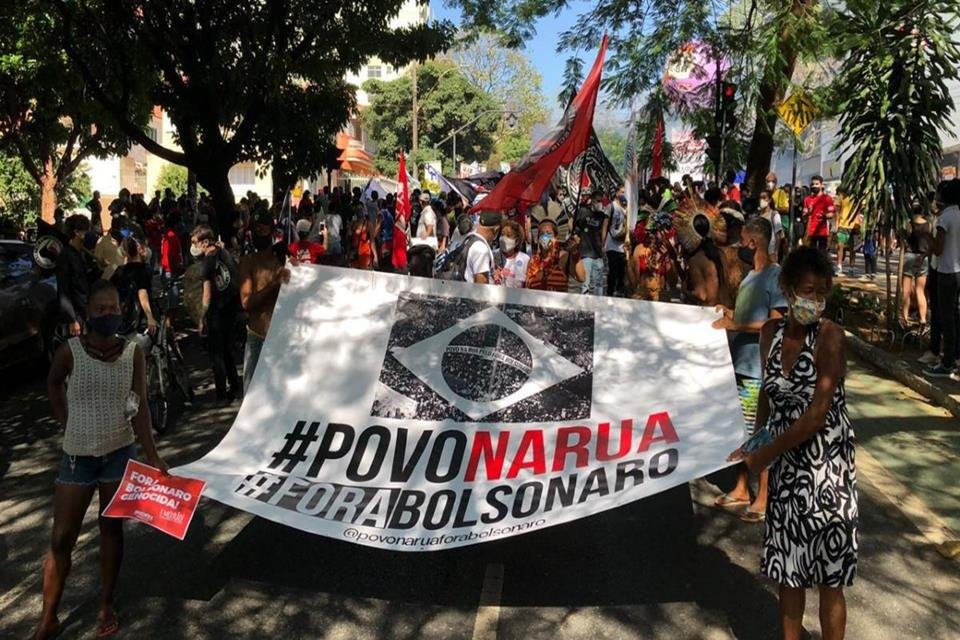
(417, 415)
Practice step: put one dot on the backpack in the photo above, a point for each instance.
(618, 227)
(133, 318)
(452, 264)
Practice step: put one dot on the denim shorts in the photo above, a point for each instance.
(87, 471)
(915, 265)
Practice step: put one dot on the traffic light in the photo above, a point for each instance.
(728, 94)
(713, 150)
(727, 116)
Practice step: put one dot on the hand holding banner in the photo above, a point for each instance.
(418, 414)
(160, 500)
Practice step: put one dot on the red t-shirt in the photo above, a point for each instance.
(734, 193)
(307, 252)
(817, 208)
(171, 254)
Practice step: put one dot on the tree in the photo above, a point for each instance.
(173, 177)
(614, 145)
(447, 101)
(46, 118)
(508, 76)
(572, 79)
(20, 194)
(763, 38)
(241, 80)
(894, 102)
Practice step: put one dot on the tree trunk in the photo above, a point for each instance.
(899, 301)
(216, 181)
(771, 92)
(891, 303)
(283, 180)
(48, 191)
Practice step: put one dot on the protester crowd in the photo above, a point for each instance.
(760, 260)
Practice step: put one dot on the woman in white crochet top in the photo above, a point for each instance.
(97, 387)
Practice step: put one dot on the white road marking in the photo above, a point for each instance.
(488, 609)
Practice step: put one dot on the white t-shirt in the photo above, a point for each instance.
(514, 271)
(950, 258)
(334, 225)
(427, 218)
(479, 259)
(777, 224)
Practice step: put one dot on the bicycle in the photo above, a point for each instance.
(166, 373)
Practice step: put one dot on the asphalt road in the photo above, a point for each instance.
(670, 566)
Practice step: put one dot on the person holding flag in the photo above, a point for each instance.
(524, 185)
(401, 218)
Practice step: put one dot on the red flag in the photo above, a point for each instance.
(401, 217)
(656, 165)
(403, 195)
(527, 181)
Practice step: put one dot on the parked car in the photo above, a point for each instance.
(29, 309)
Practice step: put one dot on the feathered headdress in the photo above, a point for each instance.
(683, 221)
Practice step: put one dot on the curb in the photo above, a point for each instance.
(896, 368)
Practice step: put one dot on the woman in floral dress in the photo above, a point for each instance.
(811, 522)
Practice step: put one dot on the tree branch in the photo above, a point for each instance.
(67, 155)
(85, 150)
(25, 156)
(117, 110)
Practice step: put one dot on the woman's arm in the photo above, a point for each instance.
(632, 276)
(145, 305)
(763, 403)
(60, 368)
(830, 359)
(141, 422)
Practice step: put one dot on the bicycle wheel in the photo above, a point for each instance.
(156, 398)
(177, 367)
(180, 378)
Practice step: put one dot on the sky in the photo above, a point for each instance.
(542, 49)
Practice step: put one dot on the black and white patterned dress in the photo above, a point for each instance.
(811, 523)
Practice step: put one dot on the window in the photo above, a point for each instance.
(152, 133)
(374, 71)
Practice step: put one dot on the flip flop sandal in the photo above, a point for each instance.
(726, 501)
(753, 516)
(109, 628)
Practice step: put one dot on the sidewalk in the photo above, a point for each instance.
(900, 359)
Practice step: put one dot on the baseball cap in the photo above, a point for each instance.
(303, 226)
(490, 218)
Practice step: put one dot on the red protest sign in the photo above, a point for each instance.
(164, 502)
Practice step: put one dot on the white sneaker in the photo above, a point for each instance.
(928, 358)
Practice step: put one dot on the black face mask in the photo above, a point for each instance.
(746, 254)
(262, 242)
(464, 224)
(814, 190)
